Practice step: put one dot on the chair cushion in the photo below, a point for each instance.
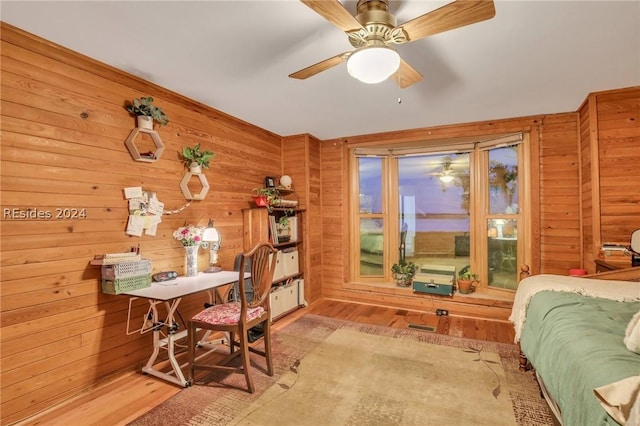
(227, 313)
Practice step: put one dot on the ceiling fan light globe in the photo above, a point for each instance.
(446, 178)
(373, 64)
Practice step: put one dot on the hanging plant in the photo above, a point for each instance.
(144, 106)
(194, 155)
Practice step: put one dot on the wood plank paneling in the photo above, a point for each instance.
(563, 190)
(559, 196)
(610, 152)
(63, 132)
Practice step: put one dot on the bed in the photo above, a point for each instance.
(576, 334)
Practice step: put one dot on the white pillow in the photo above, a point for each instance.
(620, 399)
(632, 334)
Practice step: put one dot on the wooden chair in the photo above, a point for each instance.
(236, 318)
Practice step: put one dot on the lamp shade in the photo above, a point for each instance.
(446, 178)
(373, 64)
(210, 235)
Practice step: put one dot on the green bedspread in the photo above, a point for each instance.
(576, 344)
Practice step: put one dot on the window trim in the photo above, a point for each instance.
(434, 147)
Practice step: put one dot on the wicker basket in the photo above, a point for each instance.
(126, 269)
(123, 285)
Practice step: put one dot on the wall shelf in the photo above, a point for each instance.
(135, 153)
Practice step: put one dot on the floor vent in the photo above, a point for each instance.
(422, 327)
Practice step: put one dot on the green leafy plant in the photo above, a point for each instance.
(194, 155)
(468, 275)
(407, 268)
(144, 106)
(466, 281)
(404, 272)
(271, 194)
(284, 221)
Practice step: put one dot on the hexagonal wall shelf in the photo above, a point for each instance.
(185, 188)
(133, 150)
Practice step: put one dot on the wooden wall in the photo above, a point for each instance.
(574, 207)
(301, 161)
(335, 282)
(610, 150)
(63, 133)
(559, 195)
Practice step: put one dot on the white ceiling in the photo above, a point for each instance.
(533, 57)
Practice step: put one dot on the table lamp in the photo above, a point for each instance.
(212, 237)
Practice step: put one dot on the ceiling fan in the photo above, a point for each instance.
(445, 170)
(374, 30)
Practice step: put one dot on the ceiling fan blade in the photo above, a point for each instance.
(334, 12)
(453, 15)
(406, 75)
(320, 66)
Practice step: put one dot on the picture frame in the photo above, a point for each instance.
(269, 182)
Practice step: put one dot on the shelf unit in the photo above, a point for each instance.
(288, 284)
(133, 149)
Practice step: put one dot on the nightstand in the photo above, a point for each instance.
(610, 265)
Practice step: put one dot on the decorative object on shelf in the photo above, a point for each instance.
(266, 197)
(284, 229)
(190, 236)
(466, 281)
(211, 236)
(285, 181)
(403, 273)
(145, 113)
(269, 182)
(270, 198)
(195, 160)
(143, 107)
(194, 155)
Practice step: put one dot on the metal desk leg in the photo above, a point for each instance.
(175, 376)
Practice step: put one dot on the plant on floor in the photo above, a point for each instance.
(144, 106)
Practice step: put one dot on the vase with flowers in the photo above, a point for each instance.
(191, 237)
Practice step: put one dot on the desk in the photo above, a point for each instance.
(171, 293)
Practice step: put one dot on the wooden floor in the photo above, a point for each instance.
(119, 400)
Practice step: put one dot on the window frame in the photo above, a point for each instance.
(478, 205)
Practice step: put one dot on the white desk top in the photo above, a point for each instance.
(183, 286)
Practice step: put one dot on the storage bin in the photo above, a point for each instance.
(123, 285)
(126, 269)
(278, 274)
(290, 263)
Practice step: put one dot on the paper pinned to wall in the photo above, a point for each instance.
(145, 211)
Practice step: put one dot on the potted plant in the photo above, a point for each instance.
(466, 281)
(146, 112)
(404, 272)
(193, 157)
(284, 230)
(266, 197)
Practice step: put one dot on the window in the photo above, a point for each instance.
(459, 207)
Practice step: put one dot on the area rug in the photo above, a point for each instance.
(332, 372)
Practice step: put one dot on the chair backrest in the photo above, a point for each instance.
(262, 261)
